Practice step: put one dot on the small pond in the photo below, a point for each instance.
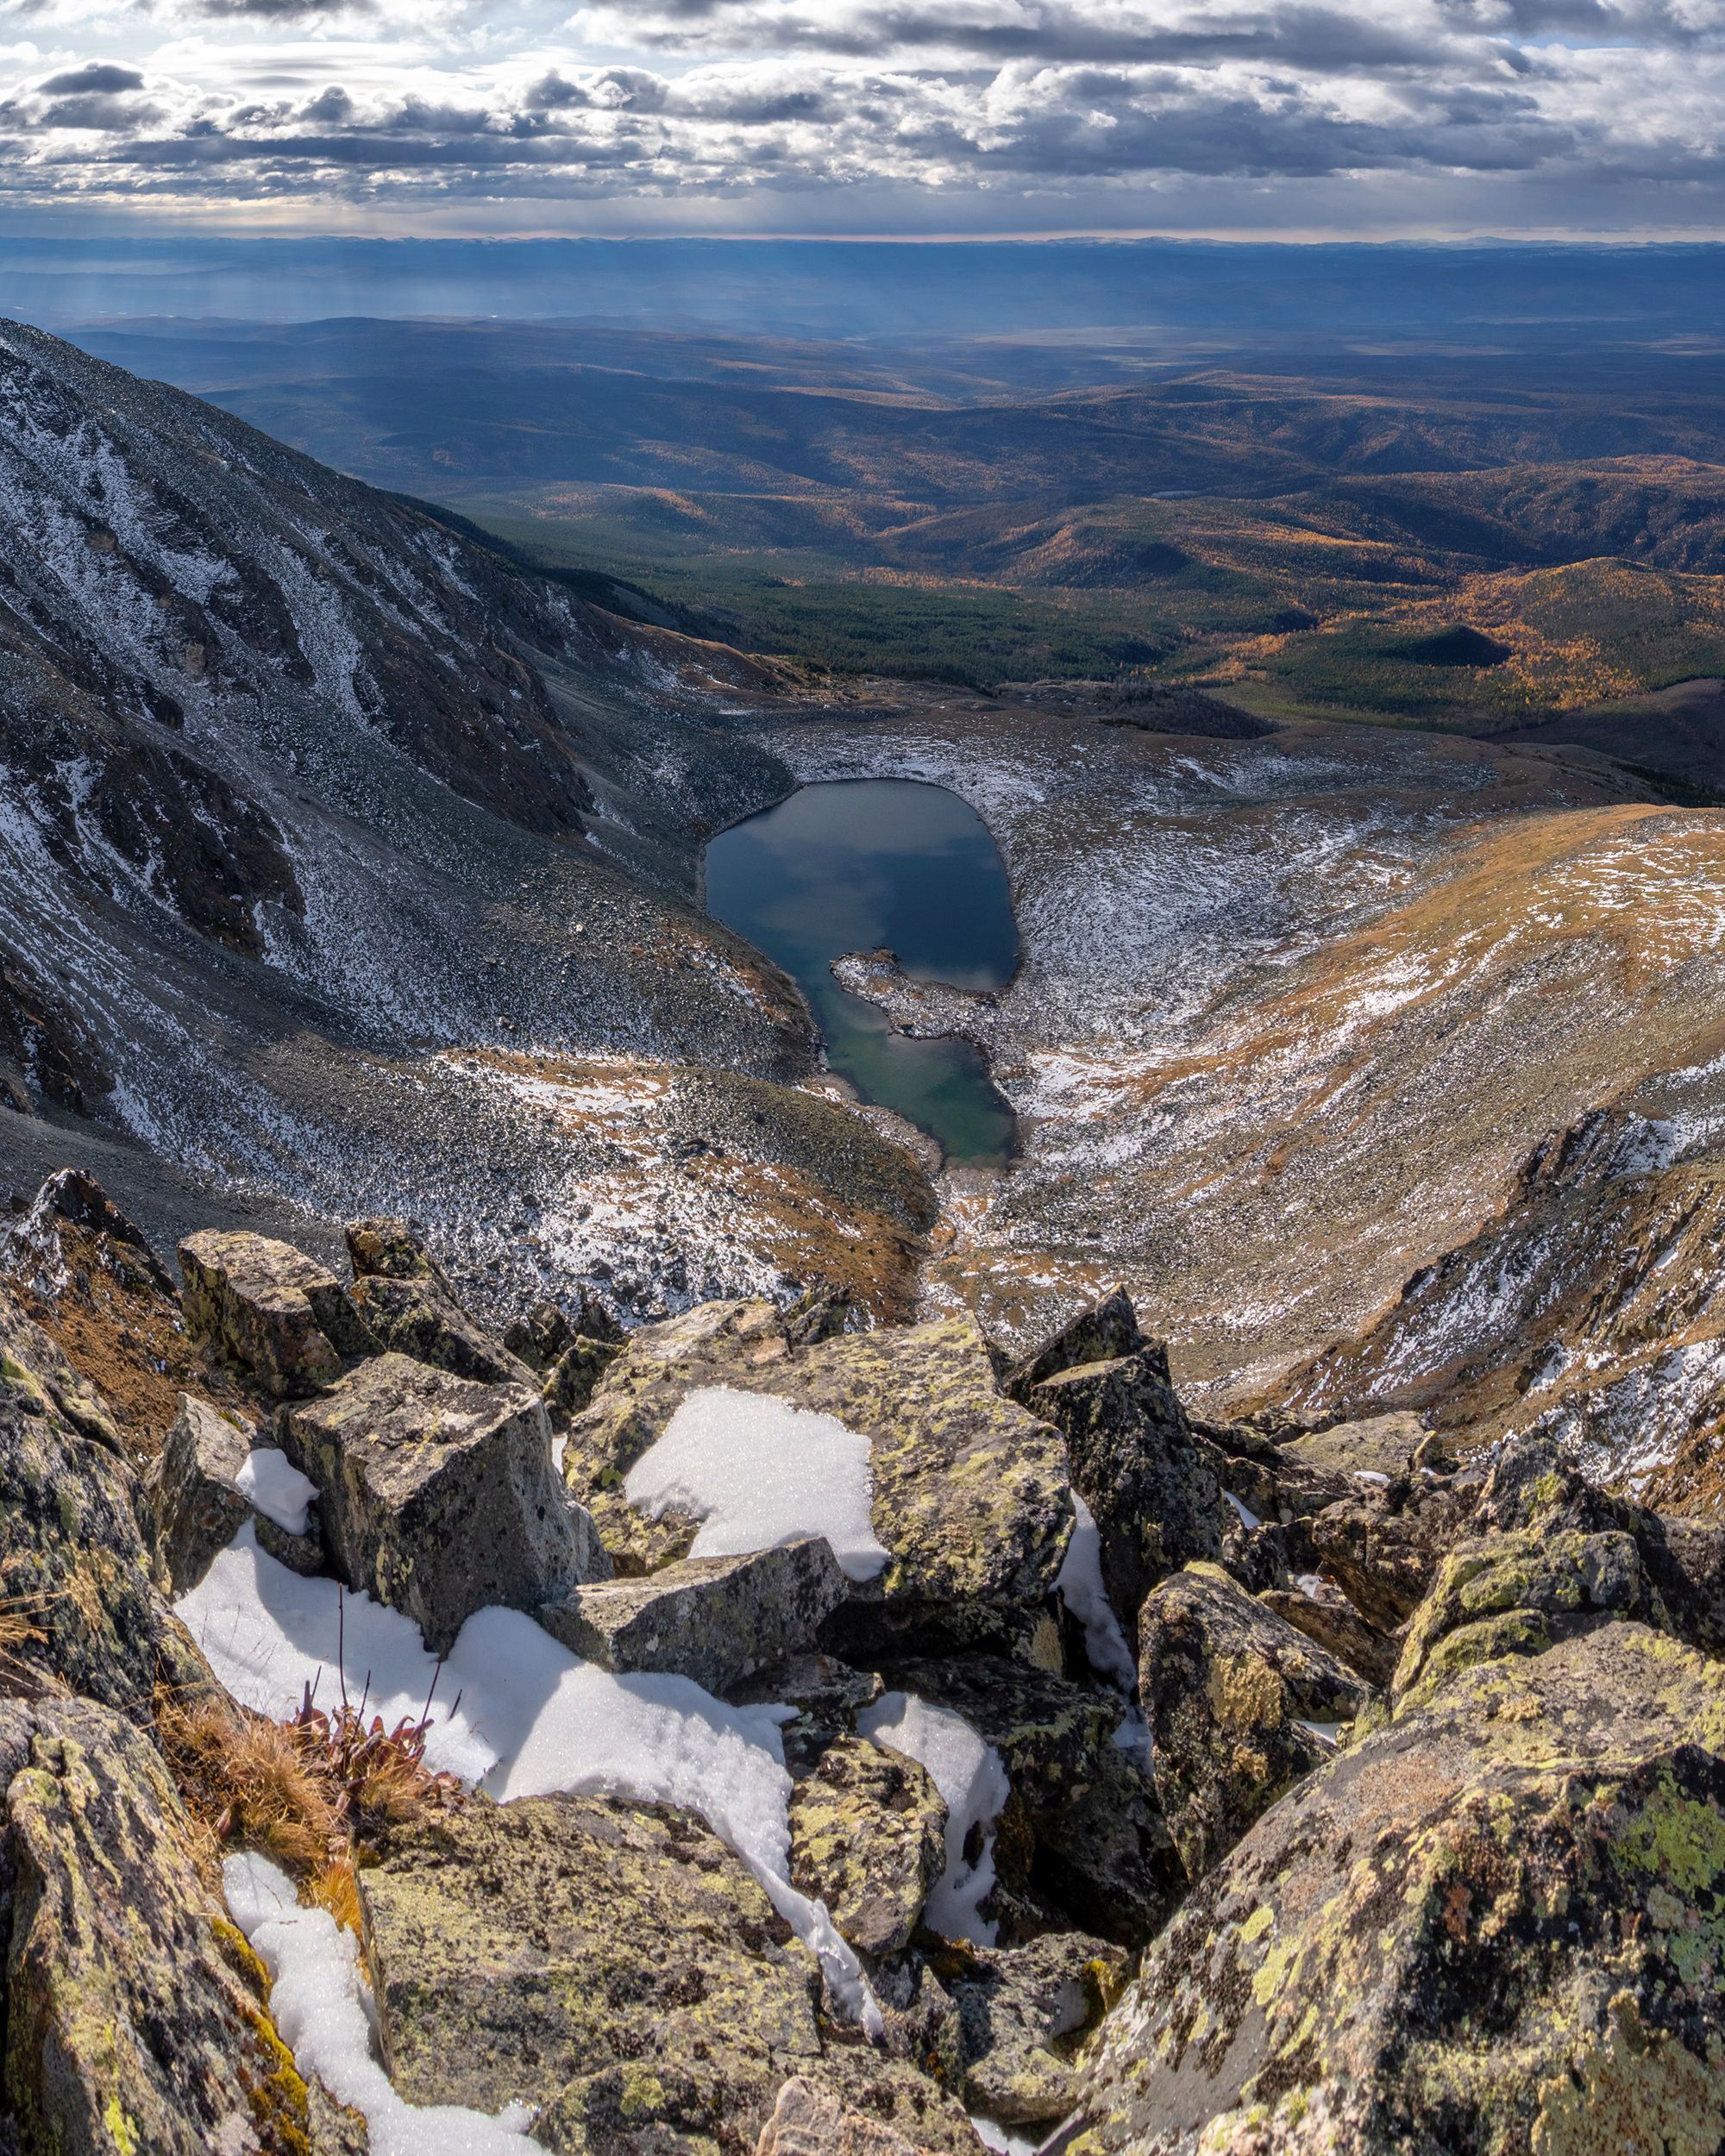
(862, 863)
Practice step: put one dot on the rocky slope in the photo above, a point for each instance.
(1010, 1775)
(337, 858)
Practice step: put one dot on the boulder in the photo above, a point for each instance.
(1149, 1486)
(810, 2119)
(971, 1497)
(438, 1494)
(82, 1612)
(1492, 1925)
(136, 2015)
(1377, 1445)
(827, 1694)
(1326, 1615)
(1228, 1688)
(1083, 1840)
(1103, 1333)
(1383, 1549)
(716, 1620)
(1518, 1594)
(867, 1838)
(1022, 2013)
(616, 1967)
(402, 1294)
(194, 1505)
(285, 1322)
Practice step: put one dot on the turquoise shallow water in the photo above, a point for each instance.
(864, 863)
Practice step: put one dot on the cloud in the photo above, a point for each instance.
(715, 102)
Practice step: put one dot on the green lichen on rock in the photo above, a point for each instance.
(615, 1964)
(1227, 1688)
(76, 1571)
(1497, 1924)
(868, 1838)
(132, 2019)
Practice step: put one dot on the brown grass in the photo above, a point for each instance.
(316, 1792)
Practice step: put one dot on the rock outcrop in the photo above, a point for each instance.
(618, 1968)
(1231, 1692)
(277, 1316)
(402, 1295)
(136, 2015)
(1493, 1926)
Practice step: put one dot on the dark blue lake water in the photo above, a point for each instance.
(866, 864)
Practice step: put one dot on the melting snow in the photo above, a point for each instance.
(1080, 1583)
(969, 1775)
(527, 1717)
(323, 2009)
(277, 1487)
(755, 1472)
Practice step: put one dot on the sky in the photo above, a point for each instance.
(1344, 118)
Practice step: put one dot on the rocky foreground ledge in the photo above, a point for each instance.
(757, 1733)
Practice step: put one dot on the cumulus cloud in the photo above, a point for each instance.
(723, 100)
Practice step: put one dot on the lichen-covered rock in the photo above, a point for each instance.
(191, 1498)
(1383, 1550)
(278, 1316)
(810, 2119)
(827, 1694)
(192, 1505)
(1497, 1925)
(714, 1343)
(1326, 1615)
(1227, 1688)
(1084, 1838)
(716, 1620)
(971, 1497)
(136, 2014)
(86, 1613)
(573, 1378)
(33, 1364)
(1107, 1331)
(867, 1838)
(1022, 2012)
(1149, 1486)
(402, 1294)
(1518, 1594)
(614, 1965)
(1377, 1445)
(438, 1496)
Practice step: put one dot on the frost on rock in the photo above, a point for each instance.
(969, 1775)
(755, 1472)
(323, 2009)
(277, 1487)
(527, 1719)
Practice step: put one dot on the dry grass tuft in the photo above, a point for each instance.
(313, 1792)
(334, 1886)
(249, 1780)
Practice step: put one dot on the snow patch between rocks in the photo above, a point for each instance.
(323, 2010)
(972, 1778)
(1080, 1586)
(757, 1471)
(532, 1719)
(277, 1487)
